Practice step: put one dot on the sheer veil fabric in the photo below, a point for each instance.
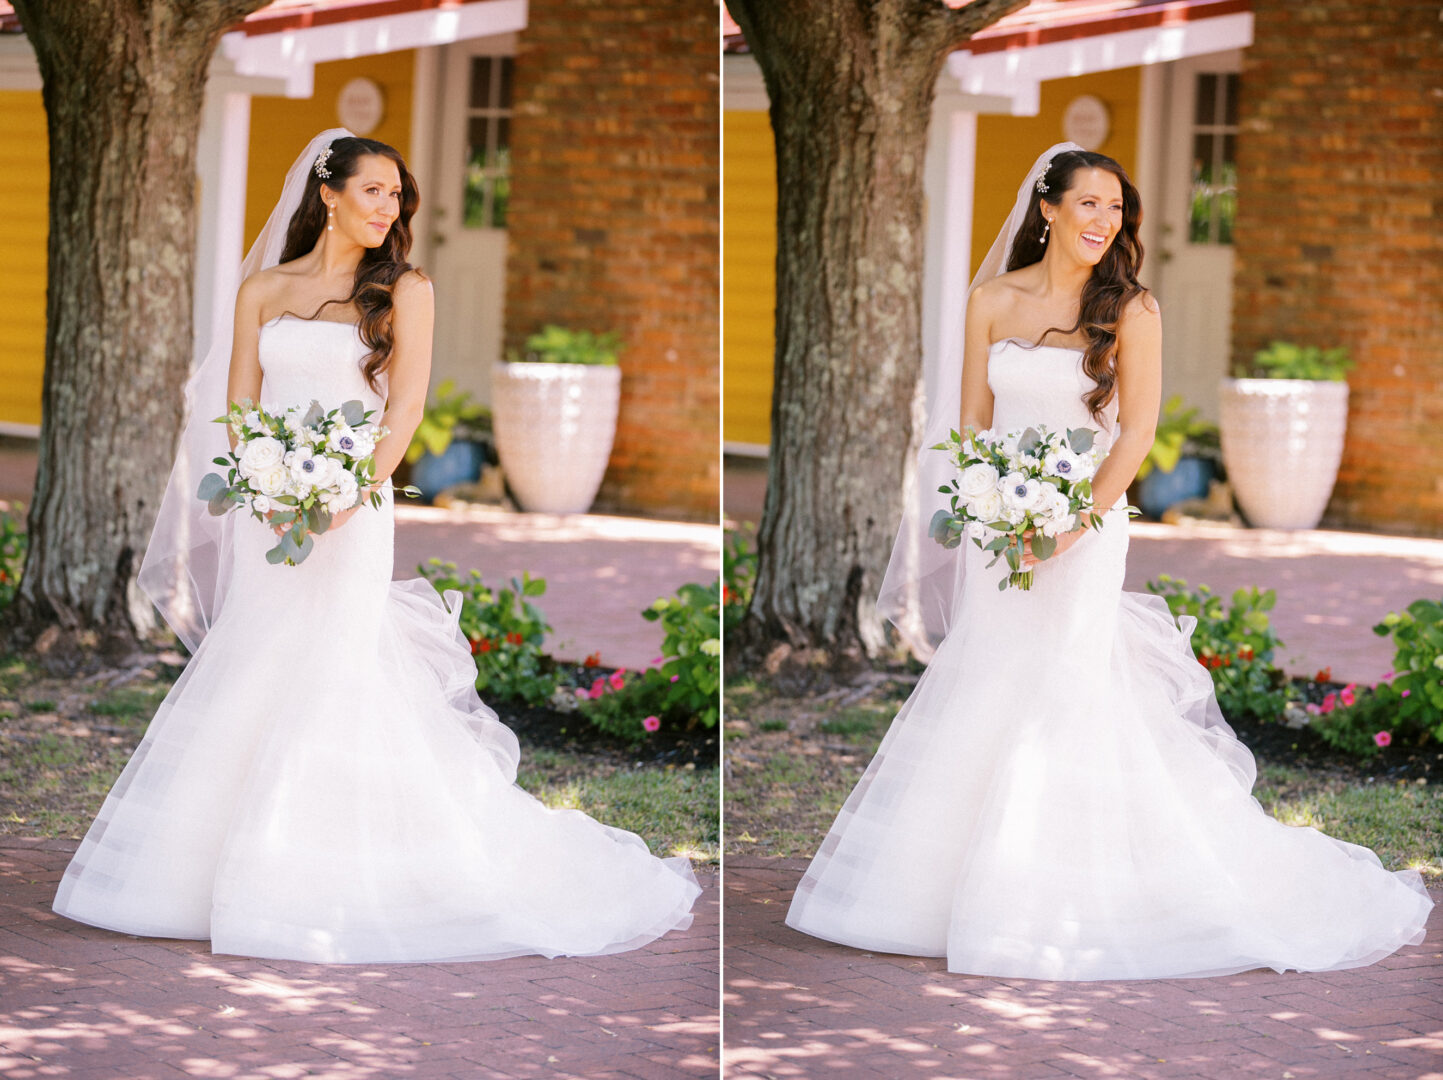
(922, 579)
(323, 782)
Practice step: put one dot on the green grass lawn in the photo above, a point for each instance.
(63, 744)
(792, 762)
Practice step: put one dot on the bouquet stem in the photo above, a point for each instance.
(1021, 578)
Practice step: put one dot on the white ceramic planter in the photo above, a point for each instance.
(554, 425)
(1282, 441)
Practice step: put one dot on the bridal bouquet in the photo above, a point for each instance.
(300, 467)
(1025, 486)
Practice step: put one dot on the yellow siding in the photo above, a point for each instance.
(25, 152)
(749, 238)
(1008, 145)
(281, 127)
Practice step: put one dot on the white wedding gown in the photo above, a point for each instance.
(323, 783)
(1060, 797)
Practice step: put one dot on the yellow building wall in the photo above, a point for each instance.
(281, 127)
(749, 245)
(25, 151)
(1008, 145)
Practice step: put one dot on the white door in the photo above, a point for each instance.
(468, 221)
(1199, 199)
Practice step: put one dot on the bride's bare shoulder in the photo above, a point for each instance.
(996, 295)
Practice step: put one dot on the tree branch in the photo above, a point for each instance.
(963, 22)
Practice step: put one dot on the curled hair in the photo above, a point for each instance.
(381, 266)
(1113, 282)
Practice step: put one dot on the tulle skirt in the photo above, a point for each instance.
(1060, 798)
(323, 783)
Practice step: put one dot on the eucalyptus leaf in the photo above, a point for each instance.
(1002, 585)
(304, 548)
(314, 415)
(411, 491)
(276, 555)
(1043, 546)
(321, 523)
(937, 529)
(353, 412)
(1029, 441)
(219, 503)
(210, 484)
(1080, 439)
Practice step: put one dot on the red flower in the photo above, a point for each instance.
(1203, 660)
(1245, 653)
(515, 639)
(485, 645)
(594, 660)
(4, 576)
(726, 595)
(1324, 675)
(475, 642)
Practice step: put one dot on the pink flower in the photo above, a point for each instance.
(651, 723)
(615, 679)
(1388, 675)
(1312, 709)
(1382, 738)
(1330, 702)
(1346, 694)
(580, 693)
(1406, 692)
(674, 678)
(658, 660)
(597, 688)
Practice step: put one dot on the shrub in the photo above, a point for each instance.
(739, 574)
(13, 545)
(1236, 646)
(682, 690)
(506, 632)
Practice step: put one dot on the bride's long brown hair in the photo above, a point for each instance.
(1113, 281)
(381, 266)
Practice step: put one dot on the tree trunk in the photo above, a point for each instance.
(851, 84)
(123, 86)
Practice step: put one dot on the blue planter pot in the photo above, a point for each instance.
(460, 464)
(1160, 490)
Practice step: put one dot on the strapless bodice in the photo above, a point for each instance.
(305, 360)
(1043, 384)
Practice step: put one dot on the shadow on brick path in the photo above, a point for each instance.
(81, 1003)
(795, 1006)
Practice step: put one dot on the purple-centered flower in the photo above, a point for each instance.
(1064, 467)
(309, 465)
(347, 443)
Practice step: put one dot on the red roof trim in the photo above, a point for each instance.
(293, 15)
(1000, 37)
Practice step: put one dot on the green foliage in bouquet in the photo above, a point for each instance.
(1180, 432)
(14, 543)
(682, 691)
(506, 631)
(554, 344)
(739, 575)
(1284, 360)
(1236, 646)
(450, 414)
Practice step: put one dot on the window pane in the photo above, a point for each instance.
(1230, 109)
(1227, 190)
(1200, 214)
(480, 95)
(1207, 96)
(508, 65)
(475, 195)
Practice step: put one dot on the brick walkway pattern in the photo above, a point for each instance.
(795, 1006)
(86, 1004)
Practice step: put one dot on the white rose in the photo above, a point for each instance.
(260, 504)
(978, 479)
(1020, 493)
(986, 506)
(293, 420)
(260, 454)
(270, 481)
(1058, 519)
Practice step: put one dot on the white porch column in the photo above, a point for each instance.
(947, 257)
(222, 159)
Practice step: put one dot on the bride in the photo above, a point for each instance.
(1060, 797)
(322, 783)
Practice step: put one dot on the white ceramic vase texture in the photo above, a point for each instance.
(1282, 441)
(554, 426)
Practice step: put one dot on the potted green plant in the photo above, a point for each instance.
(555, 415)
(1283, 422)
(1183, 460)
(452, 442)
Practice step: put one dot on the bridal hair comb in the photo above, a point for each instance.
(1041, 184)
(321, 170)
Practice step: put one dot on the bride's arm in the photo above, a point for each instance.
(412, 319)
(243, 383)
(1139, 395)
(976, 394)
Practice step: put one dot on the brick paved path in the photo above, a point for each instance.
(799, 1007)
(88, 1004)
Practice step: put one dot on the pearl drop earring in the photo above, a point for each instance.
(1044, 231)
(330, 218)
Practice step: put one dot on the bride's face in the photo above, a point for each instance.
(1089, 217)
(369, 203)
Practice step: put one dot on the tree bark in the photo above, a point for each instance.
(123, 86)
(851, 84)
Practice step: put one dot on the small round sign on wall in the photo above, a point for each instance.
(1086, 121)
(361, 105)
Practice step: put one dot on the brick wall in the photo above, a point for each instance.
(1339, 232)
(613, 225)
